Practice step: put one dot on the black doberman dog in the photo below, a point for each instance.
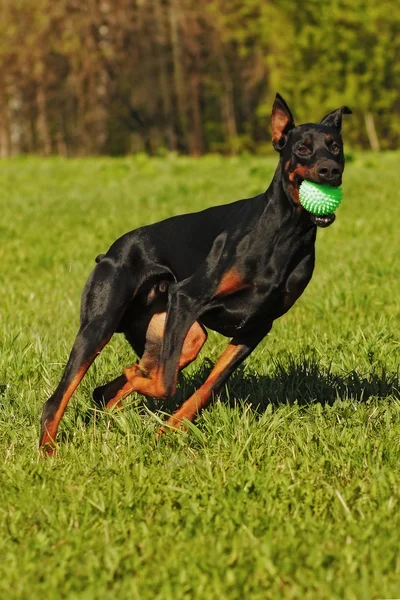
(233, 268)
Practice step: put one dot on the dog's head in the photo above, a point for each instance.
(311, 151)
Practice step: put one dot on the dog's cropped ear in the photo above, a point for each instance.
(334, 118)
(281, 123)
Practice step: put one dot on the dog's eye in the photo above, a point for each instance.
(335, 148)
(303, 150)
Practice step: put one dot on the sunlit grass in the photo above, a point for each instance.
(286, 488)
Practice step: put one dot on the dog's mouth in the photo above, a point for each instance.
(319, 220)
(322, 220)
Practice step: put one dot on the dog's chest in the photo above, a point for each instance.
(265, 299)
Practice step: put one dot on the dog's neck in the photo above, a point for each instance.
(280, 203)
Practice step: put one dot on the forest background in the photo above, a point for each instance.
(82, 77)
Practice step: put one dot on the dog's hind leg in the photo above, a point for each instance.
(143, 376)
(106, 296)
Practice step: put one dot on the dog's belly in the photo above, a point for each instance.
(223, 322)
(249, 309)
(239, 314)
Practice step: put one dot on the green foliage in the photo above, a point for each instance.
(286, 488)
(191, 76)
(348, 52)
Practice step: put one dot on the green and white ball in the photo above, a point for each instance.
(319, 199)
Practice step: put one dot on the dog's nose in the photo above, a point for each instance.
(329, 171)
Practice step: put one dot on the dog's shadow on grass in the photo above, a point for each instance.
(302, 382)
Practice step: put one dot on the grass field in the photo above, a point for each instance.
(289, 487)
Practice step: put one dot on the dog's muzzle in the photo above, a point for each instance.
(323, 220)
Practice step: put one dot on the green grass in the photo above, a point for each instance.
(289, 487)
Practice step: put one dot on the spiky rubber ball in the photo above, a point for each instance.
(319, 199)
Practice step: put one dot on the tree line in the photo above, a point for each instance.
(82, 77)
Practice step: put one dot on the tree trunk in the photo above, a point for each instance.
(178, 72)
(4, 132)
(62, 149)
(163, 74)
(228, 108)
(196, 136)
(41, 123)
(371, 131)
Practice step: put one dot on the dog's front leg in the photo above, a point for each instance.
(182, 313)
(235, 353)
